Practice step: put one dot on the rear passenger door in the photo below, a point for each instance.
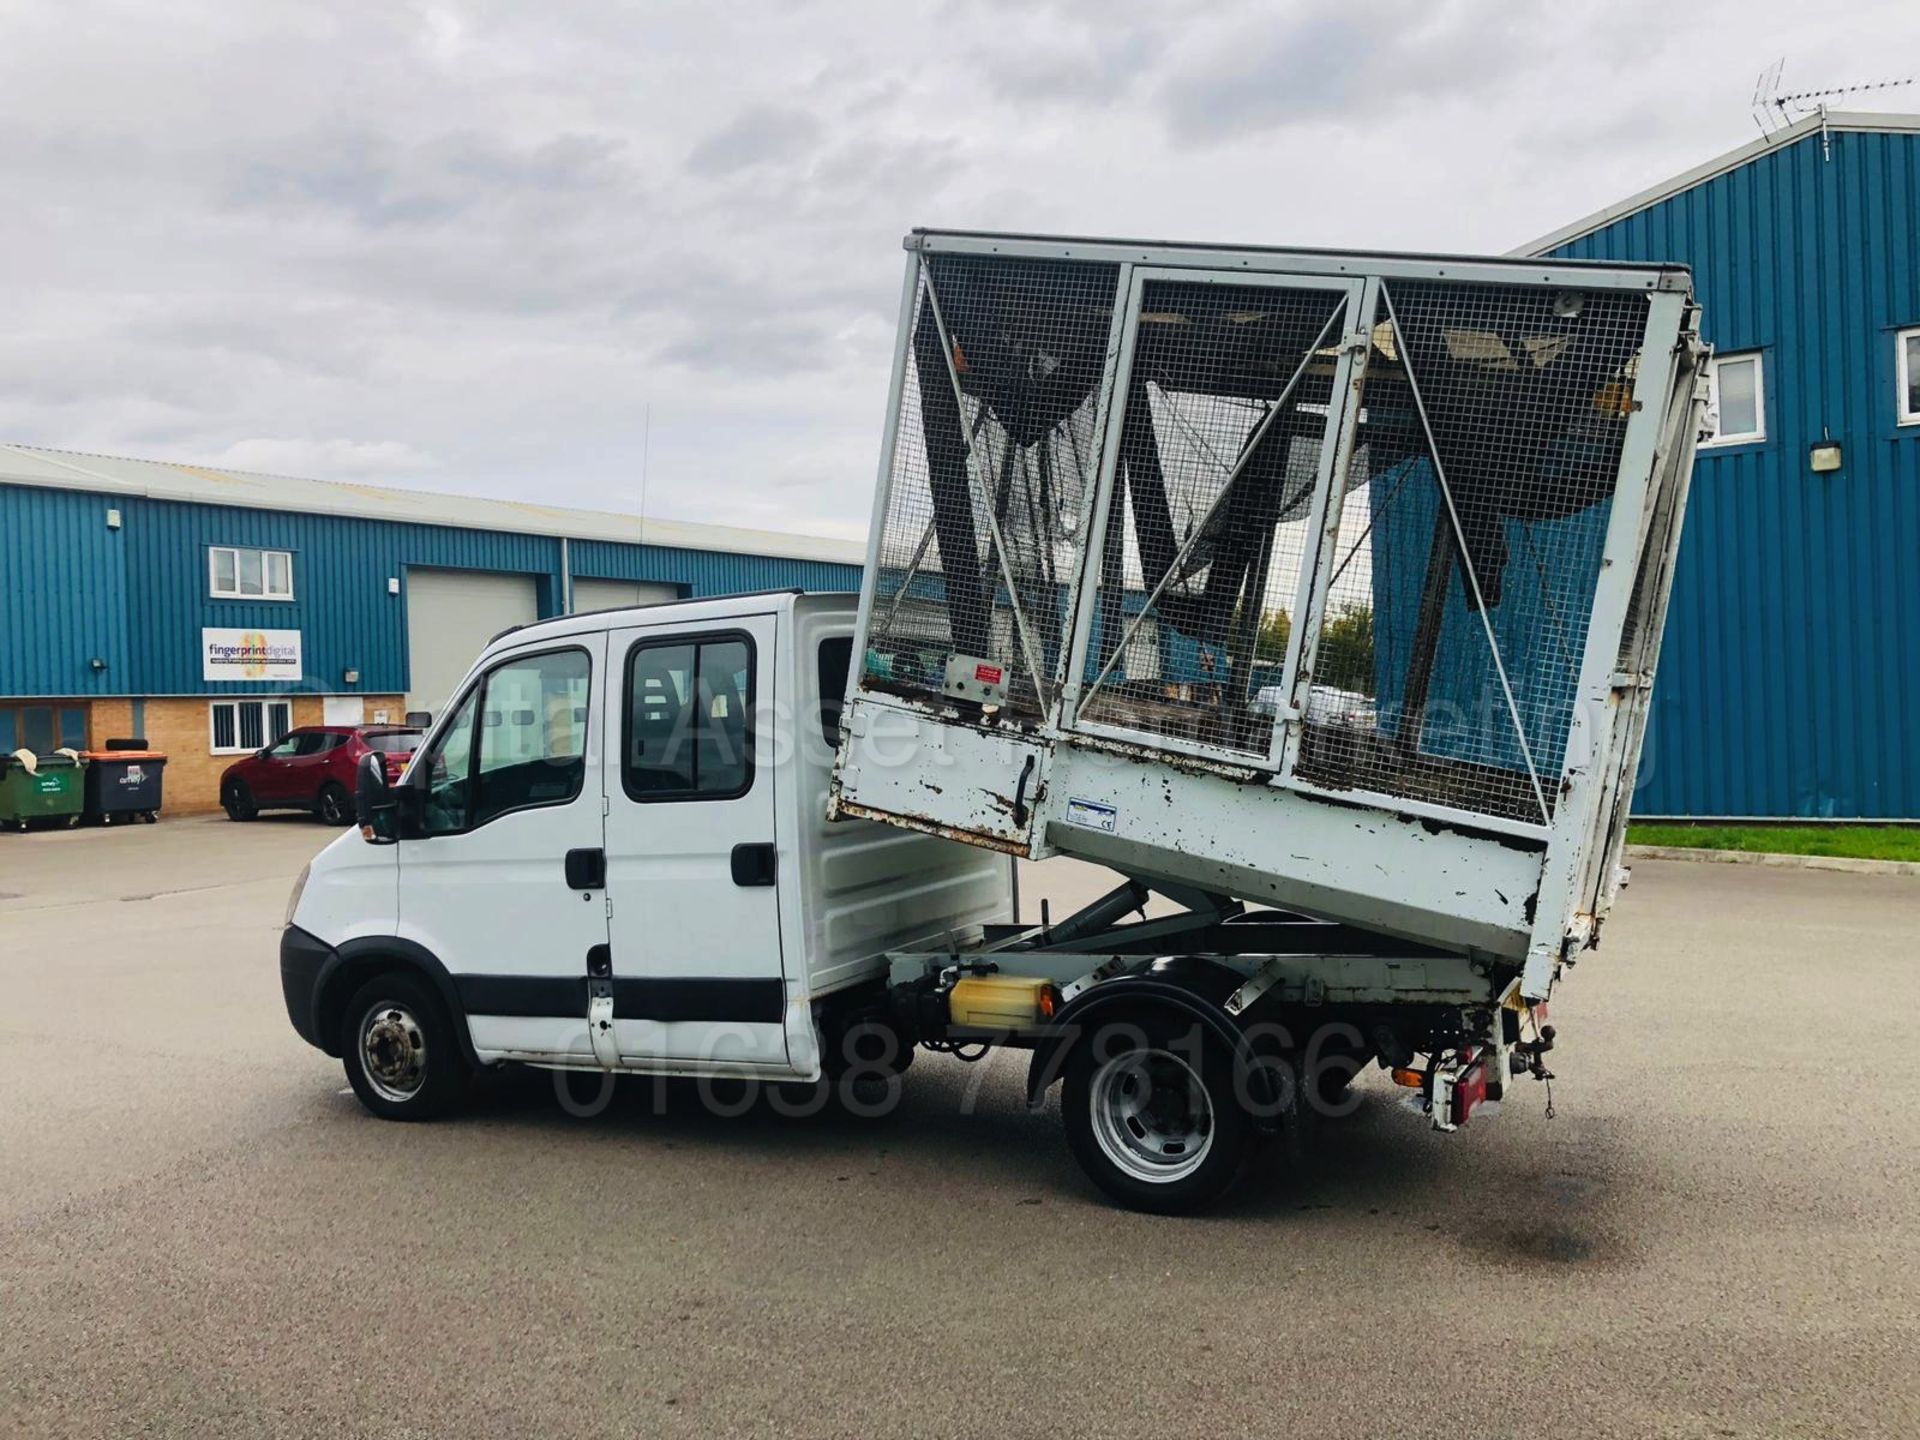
(691, 858)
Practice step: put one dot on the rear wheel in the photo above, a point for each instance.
(237, 800)
(336, 806)
(1152, 1116)
(401, 1052)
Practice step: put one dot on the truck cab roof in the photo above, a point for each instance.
(694, 610)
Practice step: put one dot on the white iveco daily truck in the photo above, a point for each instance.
(1317, 594)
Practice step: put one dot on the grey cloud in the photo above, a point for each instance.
(752, 345)
(1318, 65)
(756, 136)
(1091, 68)
(1338, 63)
(379, 184)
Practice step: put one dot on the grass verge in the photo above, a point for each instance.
(1854, 842)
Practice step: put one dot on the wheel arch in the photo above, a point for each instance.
(357, 961)
(1183, 985)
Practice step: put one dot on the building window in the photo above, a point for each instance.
(1907, 368)
(237, 573)
(42, 728)
(239, 727)
(1736, 399)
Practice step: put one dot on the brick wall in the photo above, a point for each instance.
(180, 727)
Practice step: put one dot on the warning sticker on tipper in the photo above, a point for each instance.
(988, 674)
(1092, 816)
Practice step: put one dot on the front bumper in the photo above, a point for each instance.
(305, 964)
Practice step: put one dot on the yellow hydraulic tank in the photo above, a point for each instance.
(1000, 1002)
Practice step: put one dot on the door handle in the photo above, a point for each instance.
(753, 864)
(587, 869)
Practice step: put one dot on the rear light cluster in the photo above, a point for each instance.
(1469, 1090)
(1466, 1093)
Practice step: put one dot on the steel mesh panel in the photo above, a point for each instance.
(996, 435)
(1224, 419)
(1468, 547)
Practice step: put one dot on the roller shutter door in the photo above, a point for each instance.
(606, 594)
(451, 615)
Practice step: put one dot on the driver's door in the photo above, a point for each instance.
(272, 777)
(511, 789)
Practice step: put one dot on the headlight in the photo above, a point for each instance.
(293, 900)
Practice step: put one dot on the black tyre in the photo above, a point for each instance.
(1152, 1115)
(1332, 1078)
(335, 806)
(401, 1051)
(237, 800)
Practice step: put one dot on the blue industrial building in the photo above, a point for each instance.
(1790, 677)
(208, 609)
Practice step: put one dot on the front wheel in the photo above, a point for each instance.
(237, 800)
(402, 1056)
(1152, 1116)
(336, 806)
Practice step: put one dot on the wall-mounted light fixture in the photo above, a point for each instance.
(113, 519)
(393, 585)
(350, 677)
(1824, 456)
(97, 663)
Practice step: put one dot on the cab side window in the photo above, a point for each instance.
(533, 734)
(518, 741)
(449, 772)
(689, 719)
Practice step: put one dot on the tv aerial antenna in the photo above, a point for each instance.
(1774, 109)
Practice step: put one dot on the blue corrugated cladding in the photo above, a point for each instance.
(1790, 677)
(63, 597)
(72, 589)
(706, 572)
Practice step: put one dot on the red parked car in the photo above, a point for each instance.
(313, 768)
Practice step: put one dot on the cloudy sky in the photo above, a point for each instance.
(468, 246)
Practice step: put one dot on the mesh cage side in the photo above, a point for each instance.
(995, 433)
(1224, 418)
(1511, 402)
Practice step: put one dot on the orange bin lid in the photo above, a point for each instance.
(92, 755)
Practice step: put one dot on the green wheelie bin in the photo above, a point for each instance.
(53, 789)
